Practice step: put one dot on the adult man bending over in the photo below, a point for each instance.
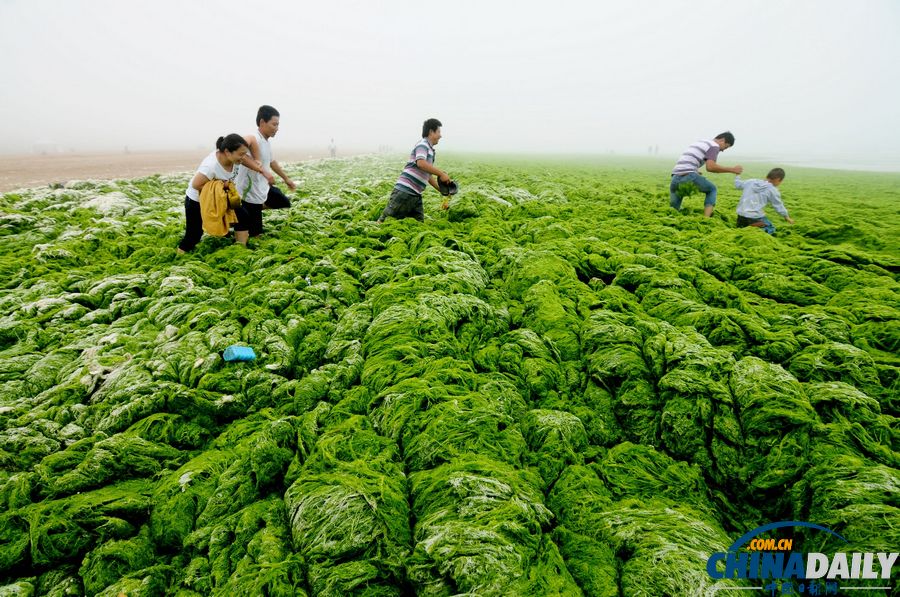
(687, 170)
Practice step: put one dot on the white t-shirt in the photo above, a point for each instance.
(253, 186)
(213, 170)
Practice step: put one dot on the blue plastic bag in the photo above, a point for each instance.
(239, 353)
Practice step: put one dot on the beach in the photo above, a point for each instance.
(34, 170)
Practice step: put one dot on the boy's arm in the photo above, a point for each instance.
(253, 144)
(276, 167)
(433, 182)
(778, 204)
(251, 160)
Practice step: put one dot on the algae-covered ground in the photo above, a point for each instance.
(558, 386)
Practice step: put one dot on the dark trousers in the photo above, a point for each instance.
(403, 204)
(275, 199)
(193, 224)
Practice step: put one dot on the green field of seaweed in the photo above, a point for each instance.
(558, 386)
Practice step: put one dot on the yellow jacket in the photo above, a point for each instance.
(214, 210)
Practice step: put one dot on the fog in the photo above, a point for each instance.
(793, 81)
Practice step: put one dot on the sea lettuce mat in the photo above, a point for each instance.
(556, 386)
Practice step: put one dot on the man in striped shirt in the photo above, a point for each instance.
(406, 198)
(687, 170)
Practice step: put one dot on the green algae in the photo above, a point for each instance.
(557, 386)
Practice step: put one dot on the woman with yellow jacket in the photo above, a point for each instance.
(219, 165)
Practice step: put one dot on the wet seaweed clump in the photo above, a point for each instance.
(556, 386)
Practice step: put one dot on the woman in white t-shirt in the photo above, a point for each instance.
(219, 165)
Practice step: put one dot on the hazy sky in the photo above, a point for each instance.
(790, 79)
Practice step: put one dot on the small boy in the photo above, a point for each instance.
(757, 193)
(406, 198)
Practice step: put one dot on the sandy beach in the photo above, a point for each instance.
(25, 171)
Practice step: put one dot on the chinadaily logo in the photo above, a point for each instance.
(778, 566)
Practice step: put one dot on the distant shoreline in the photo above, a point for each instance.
(884, 167)
(36, 170)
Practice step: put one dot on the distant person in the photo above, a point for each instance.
(406, 198)
(757, 193)
(688, 166)
(255, 182)
(332, 149)
(219, 165)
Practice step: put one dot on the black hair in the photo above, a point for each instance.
(432, 124)
(266, 113)
(728, 137)
(775, 174)
(232, 142)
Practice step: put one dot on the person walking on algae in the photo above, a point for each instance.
(406, 197)
(687, 170)
(219, 165)
(255, 182)
(756, 194)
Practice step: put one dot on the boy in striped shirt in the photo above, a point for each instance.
(406, 198)
(687, 170)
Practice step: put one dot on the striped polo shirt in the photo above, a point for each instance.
(413, 179)
(695, 156)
